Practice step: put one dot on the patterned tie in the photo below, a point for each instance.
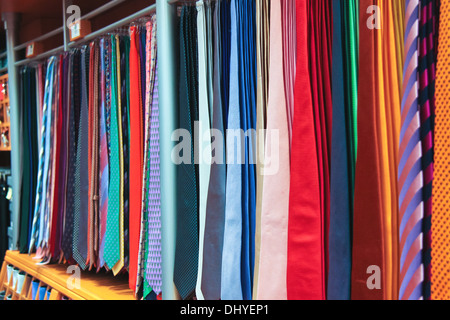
(145, 171)
(112, 235)
(42, 155)
(427, 75)
(80, 231)
(440, 287)
(409, 169)
(120, 125)
(153, 263)
(72, 151)
(186, 251)
(104, 159)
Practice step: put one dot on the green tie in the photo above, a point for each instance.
(112, 250)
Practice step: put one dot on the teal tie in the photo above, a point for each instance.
(112, 250)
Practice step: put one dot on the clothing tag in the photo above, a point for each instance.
(9, 194)
(75, 29)
(30, 49)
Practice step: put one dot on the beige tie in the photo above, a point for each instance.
(262, 56)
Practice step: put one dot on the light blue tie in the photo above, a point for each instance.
(231, 288)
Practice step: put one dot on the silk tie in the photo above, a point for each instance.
(136, 162)
(72, 146)
(304, 275)
(204, 136)
(427, 75)
(440, 226)
(231, 286)
(262, 61)
(410, 171)
(368, 243)
(103, 152)
(123, 86)
(215, 207)
(120, 125)
(26, 187)
(186, 250)
(112, 235)
(80, 236)
(153, 262)
(275, 202)
(339, 274)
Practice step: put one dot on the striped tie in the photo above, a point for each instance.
(40, 177)
(427, 73)
(409, 170)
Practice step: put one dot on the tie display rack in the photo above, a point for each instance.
(55, 275)
(58, 282)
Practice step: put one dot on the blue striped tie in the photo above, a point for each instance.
(410, 168)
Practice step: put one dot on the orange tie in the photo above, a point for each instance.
(440, 224)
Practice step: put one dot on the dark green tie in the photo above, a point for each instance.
(186, 252)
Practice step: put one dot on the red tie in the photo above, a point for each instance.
(136, 156)
(305, 267)
(367, 221)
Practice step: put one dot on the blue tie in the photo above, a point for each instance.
(231, 287)
(339, 274)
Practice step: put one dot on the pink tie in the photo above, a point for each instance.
(275, 205)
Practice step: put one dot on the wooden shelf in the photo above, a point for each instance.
(92, 285)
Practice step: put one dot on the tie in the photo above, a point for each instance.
(339, 275)
(368, 243)
(215, 206)
(123, 86)
(136, 161)
(103, 155)
(304, 275)
(409, 170)
(121, 127)
(275, 201)
(231, 287)
(204, 138)
(440, 287)
(186, 250)
(153, 262)
(27, 174)
(112, 235)
(80, 231)
(427, 75)
(262, 64)
(73, 113)
(149, 81)
(94, 158)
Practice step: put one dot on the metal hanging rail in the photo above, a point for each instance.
(107, 6)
